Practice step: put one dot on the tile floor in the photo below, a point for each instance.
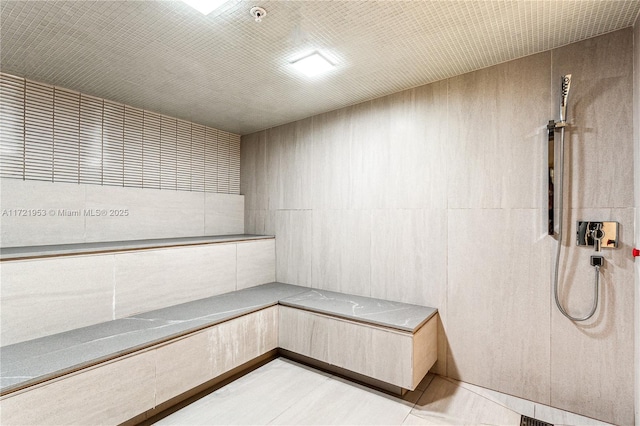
(284, 392)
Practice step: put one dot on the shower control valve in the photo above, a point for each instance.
(598, 235)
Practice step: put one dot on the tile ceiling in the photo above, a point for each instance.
(227, 71)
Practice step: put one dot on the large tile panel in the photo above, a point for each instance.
(409, 256)
(599, 143)
(341, 256)
(135, 213)
(41, 213)
(416, 172)
(294, 244)
(331, 157)
(260, 222)
(47, 296)
(150, 279)
(368, 160)
(256, 263)
(273, 145)
(498, 303)
(44, 213)
(253, 167)
(496, 134)
(293, 145)
(223, 214)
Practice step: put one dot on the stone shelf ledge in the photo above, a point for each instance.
(30, 252)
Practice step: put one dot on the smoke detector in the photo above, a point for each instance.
(258, 13)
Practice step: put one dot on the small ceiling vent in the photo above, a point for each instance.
(258, 13)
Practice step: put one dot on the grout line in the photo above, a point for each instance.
(299, 397)
(456, 383)
(113, 299)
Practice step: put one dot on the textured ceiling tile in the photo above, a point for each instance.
(226, 71)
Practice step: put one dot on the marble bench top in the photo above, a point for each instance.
(14, 253)
(29, 362)
(402, 316)
(33, 361)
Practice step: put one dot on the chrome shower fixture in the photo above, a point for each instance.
(552, 127)
(566, 85)
(598, 235)
(589, 233)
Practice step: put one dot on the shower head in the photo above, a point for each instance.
(566, 85)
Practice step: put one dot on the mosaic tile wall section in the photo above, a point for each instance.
(58, 135)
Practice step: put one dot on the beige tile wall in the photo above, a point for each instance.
(150, 213)
(255, 263)
(294, 246)
(592, 364)
(153, 279)
(113, 286)
(78, 291)
(48, 198)
(497, 317)
(437, 196)
(46, 296)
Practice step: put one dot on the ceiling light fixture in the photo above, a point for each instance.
(312, 64)
(205, 6)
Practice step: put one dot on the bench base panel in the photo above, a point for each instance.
(342, 372)
(174, 404)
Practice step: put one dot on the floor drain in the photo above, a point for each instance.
(530, 421)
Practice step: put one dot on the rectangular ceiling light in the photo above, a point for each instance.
(205, 6)
(312, 65)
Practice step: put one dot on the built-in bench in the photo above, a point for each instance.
(56, 288)
(126, 369)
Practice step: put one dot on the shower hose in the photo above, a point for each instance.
(596, 285)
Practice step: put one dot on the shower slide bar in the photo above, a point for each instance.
(556, 185)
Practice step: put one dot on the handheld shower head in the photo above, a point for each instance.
(566, 85)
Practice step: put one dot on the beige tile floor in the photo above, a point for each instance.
(284, 392)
